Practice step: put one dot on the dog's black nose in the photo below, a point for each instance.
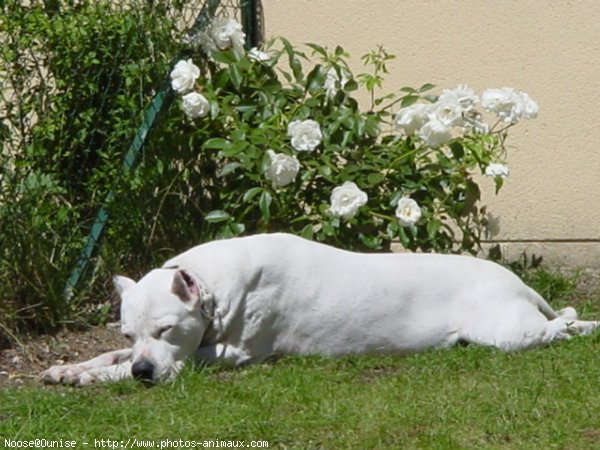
(142, 370)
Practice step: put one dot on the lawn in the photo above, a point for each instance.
(467, 397)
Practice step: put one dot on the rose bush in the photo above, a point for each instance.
(282, 147)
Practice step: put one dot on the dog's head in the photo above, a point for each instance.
(165, 316)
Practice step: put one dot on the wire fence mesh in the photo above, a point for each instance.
(82, 83)
(50, 48)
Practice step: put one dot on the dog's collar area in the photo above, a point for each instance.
(208, 309)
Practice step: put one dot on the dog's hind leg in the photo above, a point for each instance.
(520, 322)
(103, 366)
(583, 327)
(562, 328)
(524, 334)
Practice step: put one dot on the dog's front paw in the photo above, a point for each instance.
(85, 378)
(65, 374)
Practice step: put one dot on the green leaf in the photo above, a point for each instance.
(372, 126)
(215, 109)
(221, 79)
(404, 238)
(325, 171)
(307, 232)
(160, 166)
(408, 90)
(457, 149)
(346, 138)
(433, 227)
(392, 229)
(246, 108)
(251, 193)
(264, 163)
(339, 51)
(216, 143)
(295, 64)
(224, 57)
(395, 198)
(359, 126)
(499, 183)
(318, 49)
(228, 168)
(351, 85)
(217, 216)
(238, 135)
(408, 100)
(296, 69)
(237, 228)
(330, 226)
(426, 87)
(316, 78)
(380, 100)
(265, 205)
(234, 148)
(372, 242)
(235, 75)
(375, 178)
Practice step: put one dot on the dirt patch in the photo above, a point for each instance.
(22, 363)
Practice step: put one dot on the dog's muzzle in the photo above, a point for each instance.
(143, 370)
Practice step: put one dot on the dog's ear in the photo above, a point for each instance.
(122, 284)
(185, 286)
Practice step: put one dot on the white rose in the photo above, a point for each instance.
(435, 133)
(257, 55)
(283, 169)
(509, 105)
(411, 118)
(448, 112)
(206, 42)
(347, 199)
(333, 80)
(184, 75)
(306, 135)
(464, 95)
(408, 212)
(227, 33)
(195, 105)
(505, 103)
(496, 170)
(530, 107)
(202, 40)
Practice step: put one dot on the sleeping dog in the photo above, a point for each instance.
(244, 300)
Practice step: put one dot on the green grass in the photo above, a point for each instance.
(471, 397)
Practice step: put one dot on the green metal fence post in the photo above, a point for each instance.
(130, 160)
(252, 21)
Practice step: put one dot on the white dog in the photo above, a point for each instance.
(244, 300)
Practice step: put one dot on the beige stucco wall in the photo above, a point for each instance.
(551, 49)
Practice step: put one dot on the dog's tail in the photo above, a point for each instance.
(568, 313)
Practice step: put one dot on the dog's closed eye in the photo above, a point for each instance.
(162, 330)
